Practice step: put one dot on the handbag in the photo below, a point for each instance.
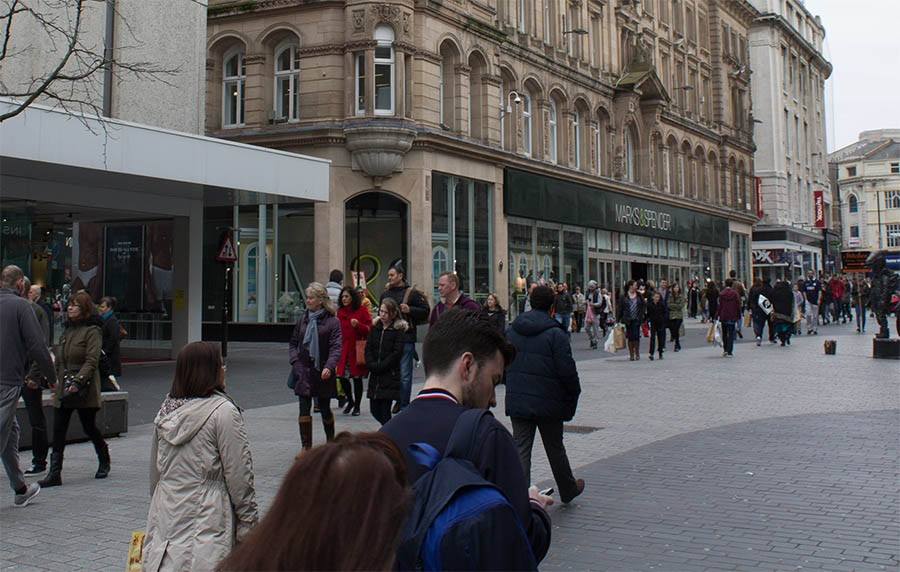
(68, 397)
(361, 353)
(645, 329)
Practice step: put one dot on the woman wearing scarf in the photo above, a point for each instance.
(315, 349)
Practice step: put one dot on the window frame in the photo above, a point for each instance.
(392, 65)
(293, 76)
(853, 205)
(552, 127)
(526, 124)
(240, 81)
(576, 126)
(891, 200)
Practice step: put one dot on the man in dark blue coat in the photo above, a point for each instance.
(542, 389)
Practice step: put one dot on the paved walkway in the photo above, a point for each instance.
(664, 446)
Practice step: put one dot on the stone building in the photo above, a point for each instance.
(506, 140)
(867, 175)
(789, 73)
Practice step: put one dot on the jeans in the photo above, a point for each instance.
(9, 436)
(61, 418)
(759, 324)
(728, 336)
(35, 409)
(593, 331)
(381, 409)
(675, 331)
(406, 373)
(633, 331)
(579, 321)
(659, 335)
(324, 404)
(565, 320)
(861, 313)
(812, 317)
(552, 437)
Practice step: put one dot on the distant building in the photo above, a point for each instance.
(789, 73)
(867, 174)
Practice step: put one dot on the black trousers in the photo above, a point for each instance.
(61, 418)
(552, 437)
(381, 409)
(658, 336)
(323, 403)
(675, 331)
(38, 422)
(355, 396)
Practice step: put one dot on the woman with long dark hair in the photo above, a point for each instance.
(355, 530)
(355, 322)
(78, 385)
(315, 349)
(494, 312)
(201, 472)
(384, 349)
(631, 311)
(676, 304)
(712, 299)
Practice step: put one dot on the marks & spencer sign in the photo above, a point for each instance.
(545, 198)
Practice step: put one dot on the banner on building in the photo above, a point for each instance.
(759, 211)
(819, 208)
(124, 266)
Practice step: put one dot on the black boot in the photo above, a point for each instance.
(54, 477)
(103, 457)
(357, 392)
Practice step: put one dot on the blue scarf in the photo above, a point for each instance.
(311, 337)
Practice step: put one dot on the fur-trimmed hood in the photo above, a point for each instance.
(397, 324)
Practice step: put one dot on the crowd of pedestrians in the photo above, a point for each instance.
(203, 513)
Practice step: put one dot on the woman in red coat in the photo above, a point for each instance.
(355, 322)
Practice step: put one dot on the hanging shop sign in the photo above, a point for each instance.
(819, 208)
(854, 261)
(554, 200)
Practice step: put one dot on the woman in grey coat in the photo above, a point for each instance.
(201, 472)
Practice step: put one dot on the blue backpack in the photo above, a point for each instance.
(459, 520)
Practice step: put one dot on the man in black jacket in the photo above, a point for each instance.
(414, 310)
(464, 357)
(542, 389)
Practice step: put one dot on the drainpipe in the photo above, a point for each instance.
(108, 43)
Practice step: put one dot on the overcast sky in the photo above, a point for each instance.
(862, 42)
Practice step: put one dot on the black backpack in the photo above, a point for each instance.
(459, 520)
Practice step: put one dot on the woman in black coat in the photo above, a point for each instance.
(631, 312)
(495, 313)
(783, 311)
(712, 299)
(384, 348)
(110, 360)
(657, 315)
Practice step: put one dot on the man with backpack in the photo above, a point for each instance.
(463, 461)
(414, 309)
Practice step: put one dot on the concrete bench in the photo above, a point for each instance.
(112, 419)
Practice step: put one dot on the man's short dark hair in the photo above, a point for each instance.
(458, 331)
(336, 276)
(398, 268)
(11, 275)
(542, 298)
(733, 274)
(728, 282)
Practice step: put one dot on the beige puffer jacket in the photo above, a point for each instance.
(201, 481)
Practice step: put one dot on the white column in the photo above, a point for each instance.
(187, 278)
(262, 284)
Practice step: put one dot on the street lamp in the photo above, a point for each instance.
(508, 109)
(577, 31)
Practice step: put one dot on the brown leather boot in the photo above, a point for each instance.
(630, 350)
(305, 432)
(637, 350)
(329, 429)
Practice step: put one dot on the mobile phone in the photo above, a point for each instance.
(547, 492)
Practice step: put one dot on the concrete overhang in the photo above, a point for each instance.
(50, 155)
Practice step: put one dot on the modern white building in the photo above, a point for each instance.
(867, 175)
(116, 202)
(788, 84)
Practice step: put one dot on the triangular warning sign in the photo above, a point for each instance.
(226, 251)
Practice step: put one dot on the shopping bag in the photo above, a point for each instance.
(797, 314)
(135, 551)
(765, 304)
(747, 319)
(709, 333)
(717, 333)
(589, 315)
(610, 345)
(681, 330)
(645, 330)
(619, 338)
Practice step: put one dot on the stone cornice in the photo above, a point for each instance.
(788, 30)
(323, 50)
(360, 45)
(428, 56)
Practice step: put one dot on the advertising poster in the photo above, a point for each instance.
(87, 259)
(124, 266)
(158, 288)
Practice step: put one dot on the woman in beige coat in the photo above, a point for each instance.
(201, 473)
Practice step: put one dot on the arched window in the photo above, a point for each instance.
(629, 156)
(553, 133)
(448, 84)
(440, 260)
(548, 267)
(233, 77)
(384, 70)
(523, 264)
(854, 204)
(287, 82)
(576, 126)
(526, 124)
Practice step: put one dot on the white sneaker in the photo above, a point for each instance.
(25, 498)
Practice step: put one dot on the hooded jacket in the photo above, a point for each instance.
(418, 308)
(542, 381)
(201, 483)
(384, 348)
(78, 355)
(729, 308)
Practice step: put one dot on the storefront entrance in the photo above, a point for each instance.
(376, 227)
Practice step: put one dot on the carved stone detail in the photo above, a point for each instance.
(378, 146)
(359, 20)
